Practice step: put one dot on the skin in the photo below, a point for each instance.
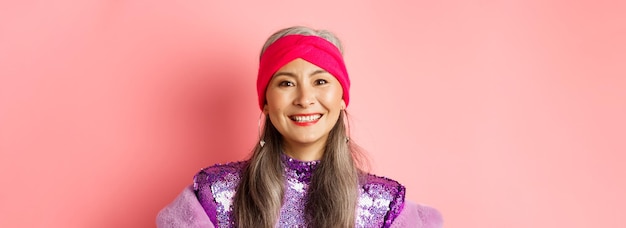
(300, 87)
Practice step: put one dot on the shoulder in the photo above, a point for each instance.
(228, 172)
(383, 185)
(382, 195)
(215, 188)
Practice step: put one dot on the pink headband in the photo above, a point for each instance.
(313, 49)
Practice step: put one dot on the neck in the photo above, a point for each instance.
(304, 152)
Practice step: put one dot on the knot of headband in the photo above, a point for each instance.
(313, 49)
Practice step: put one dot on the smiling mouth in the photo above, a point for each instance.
(305, 118)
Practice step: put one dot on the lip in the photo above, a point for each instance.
(305, 123)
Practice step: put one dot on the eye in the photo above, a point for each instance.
(320, 82)
(285, 84)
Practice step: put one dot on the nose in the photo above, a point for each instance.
(306, 96)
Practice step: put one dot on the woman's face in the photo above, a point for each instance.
(303, 103)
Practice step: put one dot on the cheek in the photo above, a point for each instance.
(333, 97)
(275, 99)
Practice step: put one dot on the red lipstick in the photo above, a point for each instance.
(307, 119)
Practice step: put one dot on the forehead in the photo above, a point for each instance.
(299, 65)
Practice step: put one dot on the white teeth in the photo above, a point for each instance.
(306, 118)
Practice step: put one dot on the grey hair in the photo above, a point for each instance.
(306, 31)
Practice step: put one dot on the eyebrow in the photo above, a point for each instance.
(320, 71)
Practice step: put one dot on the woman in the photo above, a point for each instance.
(304, 171)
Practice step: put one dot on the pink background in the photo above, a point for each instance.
(498, 113)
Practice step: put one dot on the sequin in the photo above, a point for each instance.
(380, 201)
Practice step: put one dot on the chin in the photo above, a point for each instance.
(306, 140)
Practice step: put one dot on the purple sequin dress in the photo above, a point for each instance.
(380, 201)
